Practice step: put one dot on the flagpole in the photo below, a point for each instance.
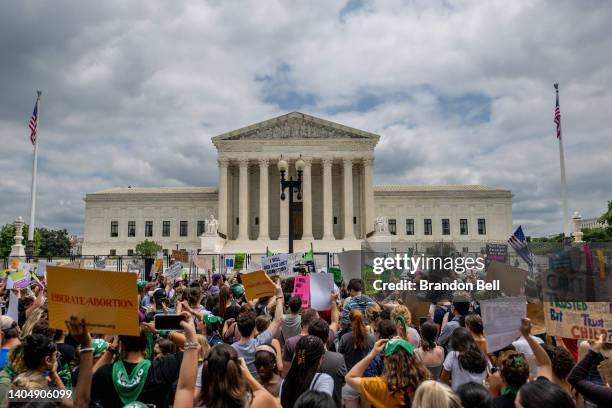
(34, 170)
(566, 229)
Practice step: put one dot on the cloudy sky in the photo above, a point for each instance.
(461, 92)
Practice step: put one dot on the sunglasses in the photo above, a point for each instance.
(263, 363)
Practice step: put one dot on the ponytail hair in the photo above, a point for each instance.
(358, 330)
(429, 332)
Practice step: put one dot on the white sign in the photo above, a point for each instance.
(173, 271)
(321, 288)
(41, 268)
(275, 264)
(101, 264)
(350, 264)
(501, 319)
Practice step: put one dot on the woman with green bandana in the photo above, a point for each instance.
(403, 373)
(134, 377)
(514, 373)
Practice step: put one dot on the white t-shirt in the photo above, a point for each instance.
(460, 376)
(522, 346)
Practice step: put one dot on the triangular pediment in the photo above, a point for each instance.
(295, 125)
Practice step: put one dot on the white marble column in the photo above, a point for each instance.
(263, 199)
(284, 208)
(368, 184)
(223, 196)
(328, 225)
(307, 199)
(349, 232)
(243, 200)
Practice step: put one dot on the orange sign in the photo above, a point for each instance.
(257, 284)
(107, 300)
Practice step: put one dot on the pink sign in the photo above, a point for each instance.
(301, 289)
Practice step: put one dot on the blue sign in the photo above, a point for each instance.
(229, 262)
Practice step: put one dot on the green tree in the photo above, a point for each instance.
(606, 217)
(7, 239)
(53, 242)
(147, 248)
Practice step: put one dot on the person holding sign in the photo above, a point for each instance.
(579, 377)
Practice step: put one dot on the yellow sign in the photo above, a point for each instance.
(15, 263)
(257, 285)
(107, 300)
(158, 265)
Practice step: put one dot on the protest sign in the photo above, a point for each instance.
(579, 320)
(239, 261)
(20, 278)
(254, 266)
(229, 263)
(511, 279)
(497, 252)
(108, 301)
(337, 274)
(350, 264)
(535, 313)
(14, 263)
(301, 289)
(202, 262)
(173, 271)
(100, 264)
(257, 285)
(158, 265)
(321, 287)
(41, 268)
(501, 318)
(275, 264)
(180, 255)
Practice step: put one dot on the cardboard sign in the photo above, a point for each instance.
(275, 264)
(158, 265)
(501, 319)
(497, 252)
(579, 320)
(257, 285)
(173, 271)
(511, 279)
(180, 255)
(202, 262)
(107, 300)
(535, 313)
(301, 289)
(321, 287)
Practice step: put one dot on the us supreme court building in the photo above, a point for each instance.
(338, 209)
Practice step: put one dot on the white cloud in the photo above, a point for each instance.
(134, 91)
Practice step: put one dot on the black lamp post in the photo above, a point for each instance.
(291, 184)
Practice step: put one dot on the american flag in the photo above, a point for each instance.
(34, 124)
(519, 243)
(558, 117)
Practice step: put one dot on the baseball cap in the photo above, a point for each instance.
(6, 322)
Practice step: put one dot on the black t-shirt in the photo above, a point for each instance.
(162, 374)
(504, 401)
(352, 355)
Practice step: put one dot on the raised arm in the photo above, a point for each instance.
(335, 313)
(579, 377)
(542, 359)
(185, 388)
(78, 330)
(278, 311)
(353, 377)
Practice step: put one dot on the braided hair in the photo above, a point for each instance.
(305, 364)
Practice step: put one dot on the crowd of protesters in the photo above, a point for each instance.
(232, 351)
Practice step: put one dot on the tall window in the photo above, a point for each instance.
(183, 230)
(131, 228)
(463, 226)
(445, 226)
(427, 226)
(200, 228)
(482, 226)
(148, 228)
(409, 226)
(166, 229)
(112, 252)
(130, 252)
(392, 226)
(114, 228)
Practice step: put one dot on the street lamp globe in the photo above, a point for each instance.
(299, 164)
(282, 165)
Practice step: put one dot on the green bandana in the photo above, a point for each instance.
(211, 319)
(141, 284)
(402, 321)
(237, 290)
(508, 391)
(392, 346)
(99, 346)
(130, 386)
(150, 353)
